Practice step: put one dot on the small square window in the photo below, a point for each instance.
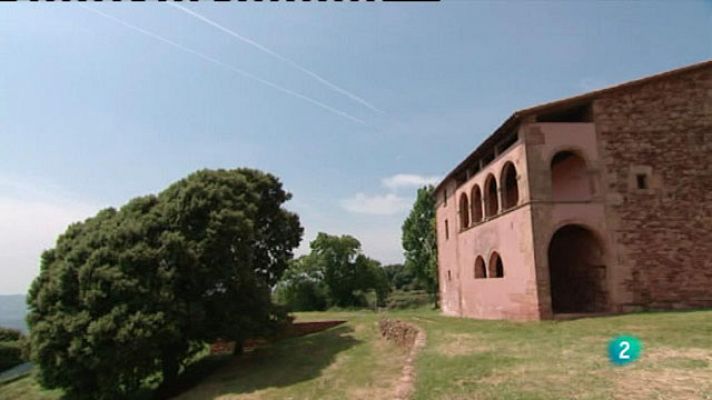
(641, 180)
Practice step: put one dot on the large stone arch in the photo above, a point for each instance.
(577, 271)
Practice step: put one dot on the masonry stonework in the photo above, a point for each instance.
(661, 130)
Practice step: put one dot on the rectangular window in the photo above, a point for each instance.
(447, 230)
(642, 181)
(449, 276)
(444, 197)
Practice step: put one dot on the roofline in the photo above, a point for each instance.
(520, 114)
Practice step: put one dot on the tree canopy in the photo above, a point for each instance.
(401, 278)
(334, 273)
(419, 241)
(136, 291)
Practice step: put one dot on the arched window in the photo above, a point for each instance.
(569, 178)
(491, 201)
(496, 267)
(476, 202)
(510, 190)
(480, 270)
(464, 212)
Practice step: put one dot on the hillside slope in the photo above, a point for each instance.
(12, 311)
(468, 359)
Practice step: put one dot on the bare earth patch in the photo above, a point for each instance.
(404, 388)
(667, 373)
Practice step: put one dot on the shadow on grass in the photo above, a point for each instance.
(191, 377)
(285, 363)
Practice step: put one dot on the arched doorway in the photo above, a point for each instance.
(577, 271)
(569, 178)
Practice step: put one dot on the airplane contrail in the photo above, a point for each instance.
(228, 66)
(278, 56)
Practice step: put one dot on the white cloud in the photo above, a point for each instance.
(408, 180)
(31, 218)
(382, 242)
(388, 204)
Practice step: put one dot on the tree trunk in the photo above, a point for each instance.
(171, 367)
(239, 348)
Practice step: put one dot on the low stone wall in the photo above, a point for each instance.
(411, 338)
(401, 333)
(293, 329)
(305, 328)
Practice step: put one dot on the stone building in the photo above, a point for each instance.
(592, 204)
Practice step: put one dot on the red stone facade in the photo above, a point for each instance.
(597, 203)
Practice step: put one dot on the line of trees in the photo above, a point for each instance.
(336, 273)
(126, 298)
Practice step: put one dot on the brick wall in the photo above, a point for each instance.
(662, 131)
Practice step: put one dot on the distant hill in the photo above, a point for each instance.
(12, 311)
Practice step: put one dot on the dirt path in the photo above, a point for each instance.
(406, 383)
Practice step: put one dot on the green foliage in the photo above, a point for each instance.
(9, 334)
(132, 293)
(400, 299)
(401, 278)
(334, 274)
(12, 348)
(302, 286)
(419, 241)
(10, 354)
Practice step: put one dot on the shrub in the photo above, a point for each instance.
(10, 355)
(9, 334)
(408, 299)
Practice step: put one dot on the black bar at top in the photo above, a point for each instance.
(241, 1)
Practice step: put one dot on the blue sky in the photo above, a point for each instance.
(94, 112)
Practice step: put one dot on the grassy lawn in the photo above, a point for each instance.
(345, 362)
(467, 359)
(27, 389)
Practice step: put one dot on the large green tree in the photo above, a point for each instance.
(302, 287)
(134, 292)
(348, 273)
(334, 273)
(401, 278)
(419, 241)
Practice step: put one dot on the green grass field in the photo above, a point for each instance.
(467, 359)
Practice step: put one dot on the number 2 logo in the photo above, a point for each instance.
(625, 346)
(623, 350)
